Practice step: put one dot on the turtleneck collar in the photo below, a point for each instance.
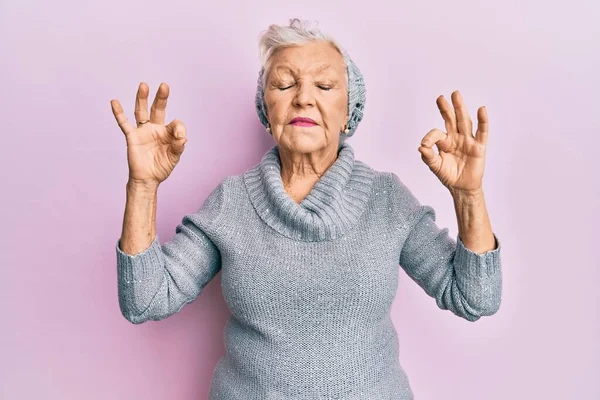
(333, 206)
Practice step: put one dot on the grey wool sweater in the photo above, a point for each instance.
(309, 285)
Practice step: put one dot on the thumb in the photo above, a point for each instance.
(429, 157)
(176, 129)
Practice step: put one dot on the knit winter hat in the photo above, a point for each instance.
(356, 97)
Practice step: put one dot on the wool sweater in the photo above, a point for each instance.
(310, 284)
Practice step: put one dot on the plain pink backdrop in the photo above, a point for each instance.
(534, 64)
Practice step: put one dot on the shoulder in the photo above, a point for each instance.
(218, 203)
(380, 178)
(226, 191)
(229, 185)
(388, 181)
(400, 189)
(399, 197)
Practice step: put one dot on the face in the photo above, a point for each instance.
(307, 81)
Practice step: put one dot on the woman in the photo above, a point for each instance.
(309, 240)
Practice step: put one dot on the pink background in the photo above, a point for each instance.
(533, 64)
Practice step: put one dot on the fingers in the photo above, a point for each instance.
(448, 114)
(126, 126)
(464, 123)
(438, 137)
(177, 130)
(443, 142)
(141, 103)
(482, 125)
(159, 105)
(429, 157)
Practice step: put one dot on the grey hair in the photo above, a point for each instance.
(297, 33)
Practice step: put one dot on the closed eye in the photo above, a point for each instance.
(320, 87)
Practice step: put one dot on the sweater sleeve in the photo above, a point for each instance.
(157, 282)
(467, 283)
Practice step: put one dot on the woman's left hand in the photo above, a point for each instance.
(461, 159)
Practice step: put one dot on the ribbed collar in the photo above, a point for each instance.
(333, 206)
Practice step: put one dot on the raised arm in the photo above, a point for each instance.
(468, 284)
(158, 281)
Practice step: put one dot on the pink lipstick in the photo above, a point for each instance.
(302, 121)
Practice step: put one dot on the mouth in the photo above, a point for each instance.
(302, 121)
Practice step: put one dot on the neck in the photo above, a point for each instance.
(331, 208)
(301, 171)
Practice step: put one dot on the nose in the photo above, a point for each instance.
(304, 96)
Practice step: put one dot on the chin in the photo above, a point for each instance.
(304, 141)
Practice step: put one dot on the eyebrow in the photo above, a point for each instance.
(295, 71)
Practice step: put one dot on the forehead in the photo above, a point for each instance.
(314, 57)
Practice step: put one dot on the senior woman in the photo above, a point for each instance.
(309, 239)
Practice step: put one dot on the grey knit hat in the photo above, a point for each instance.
(356, 97)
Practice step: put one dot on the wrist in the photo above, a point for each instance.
(469, 196)
(139, 186)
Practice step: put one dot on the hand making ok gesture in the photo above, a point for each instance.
(153, 148)
(461, 159)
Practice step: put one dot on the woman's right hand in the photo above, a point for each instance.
(153, 148)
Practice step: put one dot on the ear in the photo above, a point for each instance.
(346, 124)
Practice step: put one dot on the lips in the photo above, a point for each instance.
(302, 121)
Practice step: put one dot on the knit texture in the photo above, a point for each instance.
(309, 285)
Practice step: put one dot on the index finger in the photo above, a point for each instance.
(122, 120)
(447, 113)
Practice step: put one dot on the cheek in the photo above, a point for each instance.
(275, 106)
(335, 109)
(343, 104)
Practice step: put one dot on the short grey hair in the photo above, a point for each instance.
(297, 33)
